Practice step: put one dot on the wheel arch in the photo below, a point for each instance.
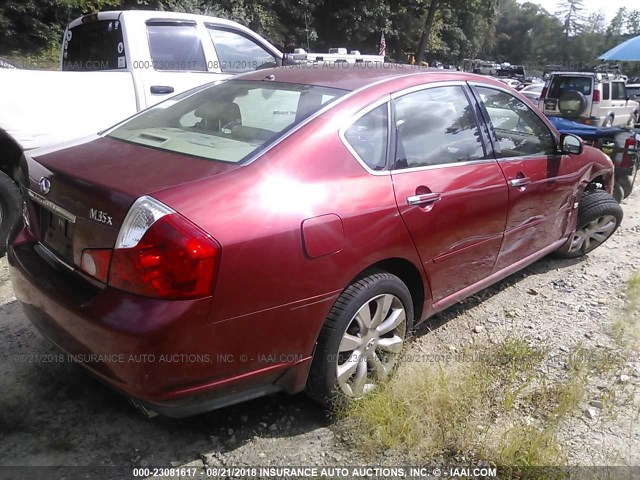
(10, 154)
(410, 275)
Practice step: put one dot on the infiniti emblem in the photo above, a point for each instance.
(45, 185)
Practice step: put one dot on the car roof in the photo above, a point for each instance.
(346, 76)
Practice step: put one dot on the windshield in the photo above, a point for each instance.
(226, 121)
(561, 84)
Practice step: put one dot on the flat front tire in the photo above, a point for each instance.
(361, 340)
(599, 216)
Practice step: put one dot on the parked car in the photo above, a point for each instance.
(486, 68)
(285, 230)
(533, 92)
(620, 144)
(512, 82)
(591, 98)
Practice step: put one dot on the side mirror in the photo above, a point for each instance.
(571, 144)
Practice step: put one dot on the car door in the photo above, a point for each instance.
(449, 190)
(238, 52)
(178, 59)
(620, 106)
(542, 183)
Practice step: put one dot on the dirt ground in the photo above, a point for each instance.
(54, 414)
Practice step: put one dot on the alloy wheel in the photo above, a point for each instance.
(593, 233)
(371, 344)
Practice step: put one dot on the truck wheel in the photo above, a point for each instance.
(599, 216)
(10, 202)
(608, 122)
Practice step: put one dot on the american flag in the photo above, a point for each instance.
(383, 46)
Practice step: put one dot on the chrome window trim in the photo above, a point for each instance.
(352, 120)
(442, 165)
(325, 109)
(426, 86)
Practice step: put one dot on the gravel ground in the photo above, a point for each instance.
(55, 414)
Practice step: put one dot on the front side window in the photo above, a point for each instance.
(369, 136)
(237, 53)
(517, 129)
(227, 121)
(436, 126)
(175, 46)
(94, 46)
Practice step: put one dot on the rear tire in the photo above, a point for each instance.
(599, 216)
(618, 191)
(608, 122)
(361, 340)
(626, 182)
(10, 212)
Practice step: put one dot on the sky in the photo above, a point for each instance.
(609, 8)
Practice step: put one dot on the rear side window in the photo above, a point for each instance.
(237, 53)
(368, 136)
(94, 46)
(561, 84)
(436, 126)
(618, 91)
(175, 46)
(606, 91)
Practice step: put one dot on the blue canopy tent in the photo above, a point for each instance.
(628, 51)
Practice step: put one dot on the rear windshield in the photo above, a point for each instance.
(226, 121)
(93, 46)
(561, 84)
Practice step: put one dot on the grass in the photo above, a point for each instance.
(500, 408)
(450, 408)
(626, 329)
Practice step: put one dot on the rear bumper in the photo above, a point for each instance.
(165, 354)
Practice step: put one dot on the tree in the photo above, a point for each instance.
(570, 13)
(426, 31)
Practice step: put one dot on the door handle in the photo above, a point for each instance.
(162, 89)
(520, 182)
(423, 199)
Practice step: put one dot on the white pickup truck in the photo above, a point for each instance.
(115, 64)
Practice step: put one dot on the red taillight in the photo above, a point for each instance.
(630, 150)
(543, 95)
(174, 259)
(597, 96)
(95, 262)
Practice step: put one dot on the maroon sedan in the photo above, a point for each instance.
(284, 230)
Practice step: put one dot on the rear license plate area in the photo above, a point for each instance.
(550, 104)
(58, 234)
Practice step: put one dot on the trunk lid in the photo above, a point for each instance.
(78, 197)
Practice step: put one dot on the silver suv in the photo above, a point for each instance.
(598, 99)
